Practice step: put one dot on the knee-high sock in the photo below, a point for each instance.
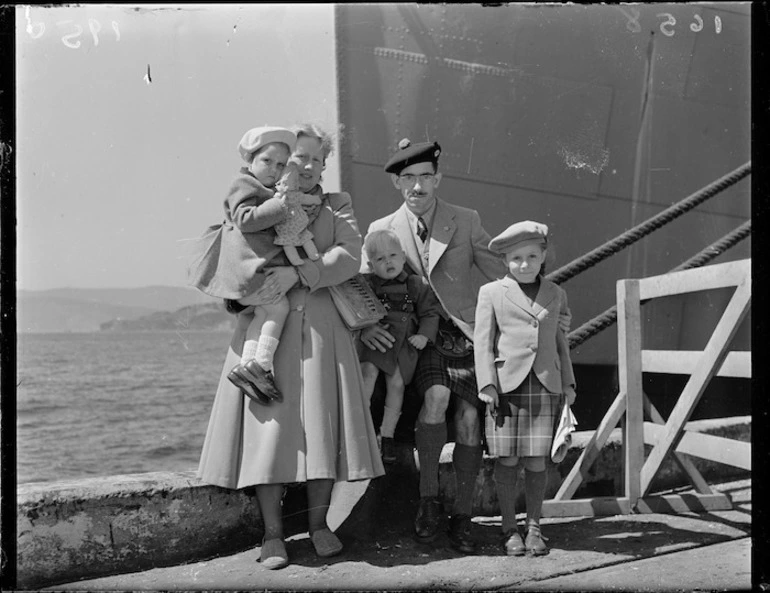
(534, 493)
(467, 462)
(429, 439)
(505, 484)
(249, 351)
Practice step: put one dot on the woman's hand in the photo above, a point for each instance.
(377, 337)
(489, 396)
(280, 279)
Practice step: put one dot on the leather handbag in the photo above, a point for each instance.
(356, 302)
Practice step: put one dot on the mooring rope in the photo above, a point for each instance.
(610, 316)
(632, 235)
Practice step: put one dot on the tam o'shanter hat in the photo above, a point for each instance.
(410, 154)
(256, 138)
(520, 232)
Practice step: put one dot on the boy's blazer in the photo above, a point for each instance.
(513, 336)
(457, 242)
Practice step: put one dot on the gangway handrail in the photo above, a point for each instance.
(610, 316)
(645, 228)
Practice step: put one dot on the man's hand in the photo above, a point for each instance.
(564, 323)
(418, 341)
(377, 337)
(489, 396)
(281, 278)
(569, 393)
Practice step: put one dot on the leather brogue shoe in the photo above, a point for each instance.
(240, 378)
(513, 544)
(534, 542)
(263, 380)
(426, 524)
(459, 533)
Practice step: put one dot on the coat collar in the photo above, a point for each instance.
(538, 308)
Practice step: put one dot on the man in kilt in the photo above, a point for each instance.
(443, 243)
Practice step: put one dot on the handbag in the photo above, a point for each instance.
(356, 302)
(563, 437)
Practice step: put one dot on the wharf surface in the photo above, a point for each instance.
(640, 552)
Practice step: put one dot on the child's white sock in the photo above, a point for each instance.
(390, 418)
(265, 351)
(249, 351)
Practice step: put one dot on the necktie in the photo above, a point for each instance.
(422, 230)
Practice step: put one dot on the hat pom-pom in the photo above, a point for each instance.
(404, 143)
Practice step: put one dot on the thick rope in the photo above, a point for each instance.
(632, 235)
(610, 316)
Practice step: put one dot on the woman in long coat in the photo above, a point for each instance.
(322, 431)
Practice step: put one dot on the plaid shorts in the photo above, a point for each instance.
(458, 374)
(524, 421)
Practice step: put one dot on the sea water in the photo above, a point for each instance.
(103, 403)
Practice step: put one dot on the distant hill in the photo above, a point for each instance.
(86, 309)
(211, 317)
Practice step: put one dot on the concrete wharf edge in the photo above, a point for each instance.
(90, 528)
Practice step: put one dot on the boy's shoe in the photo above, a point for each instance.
(513, 544)
(241, 379)
(388, 450)
(459, 533)
(263, 380)
(534, 542)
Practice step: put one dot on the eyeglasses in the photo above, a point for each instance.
(410, 179)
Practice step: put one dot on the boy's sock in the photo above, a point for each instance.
(534, 493)
(266, 348)
(249, 351)
(390, 418)
(429, 439)
(505, 477)
(467, 462)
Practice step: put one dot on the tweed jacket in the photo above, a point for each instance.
(513, 336)
(412, 309)
(228, 256)
(457, 243)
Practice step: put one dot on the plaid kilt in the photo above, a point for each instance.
(458, 374)
(524, 422)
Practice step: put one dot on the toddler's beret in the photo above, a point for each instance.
(256, 138)
(526, 230)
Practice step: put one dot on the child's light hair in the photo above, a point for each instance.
(376, 241)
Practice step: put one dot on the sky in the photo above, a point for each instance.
(115, 173)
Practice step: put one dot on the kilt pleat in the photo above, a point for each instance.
(523, 423)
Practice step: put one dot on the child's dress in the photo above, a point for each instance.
(412, 309)
(520, 349)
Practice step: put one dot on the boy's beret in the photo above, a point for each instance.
(256, 138)
(410, 154)
(526, 230)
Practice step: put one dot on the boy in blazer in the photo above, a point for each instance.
(523, 370)
(442, 243)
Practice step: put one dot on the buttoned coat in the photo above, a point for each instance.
(514, 335)
(457, 243)
(228, 257)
